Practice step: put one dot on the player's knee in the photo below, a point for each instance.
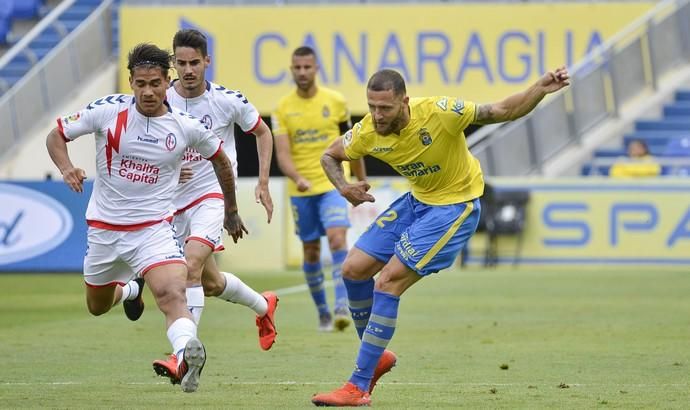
(337, 243)
(350, 271)
(170, 298)
(213, 285)
(195, 267)
(96, 308)
(312, 252)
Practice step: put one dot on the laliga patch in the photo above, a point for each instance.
(71, 118)
(347, 138)
(458, 107)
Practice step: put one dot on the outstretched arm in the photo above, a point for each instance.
(226, 178)
(287, 167)
(57, 148)
(332, 163)
(522, 103)
(264, 147)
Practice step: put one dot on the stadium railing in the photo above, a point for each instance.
(615, 73)
(54, 77)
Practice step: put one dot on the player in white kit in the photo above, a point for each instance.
(198, 201)
(140, 143)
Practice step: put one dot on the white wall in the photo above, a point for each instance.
(31, 161)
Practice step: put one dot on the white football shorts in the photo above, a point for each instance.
(203, 222)
(116, 257)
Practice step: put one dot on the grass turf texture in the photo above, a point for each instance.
(465, 339)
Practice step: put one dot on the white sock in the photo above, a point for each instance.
(179, 334)
(195, 302)
(129, 291)
(237, 291)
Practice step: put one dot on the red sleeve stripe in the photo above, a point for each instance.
(62, 131)
(258, 121)
(220, 148)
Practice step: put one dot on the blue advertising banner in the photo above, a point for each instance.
(42, 227)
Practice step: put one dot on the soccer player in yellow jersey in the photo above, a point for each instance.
(423, 231)
(305, 123)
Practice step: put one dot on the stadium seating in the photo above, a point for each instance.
(43, 42)
(667, 137)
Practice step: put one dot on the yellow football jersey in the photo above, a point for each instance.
(431, 151)
(311, 124)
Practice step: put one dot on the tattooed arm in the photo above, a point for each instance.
(332, 163)
(522, 103)
(226, 178)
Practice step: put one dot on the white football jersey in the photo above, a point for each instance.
(138, 159)
(219, 109)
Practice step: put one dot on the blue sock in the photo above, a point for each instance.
(384, 314)
(340, 291)
(314, 276)
(360, 295)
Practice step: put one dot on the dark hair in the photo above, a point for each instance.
(386, 79)
(304, 51)
(148, 55)
(642, 143)
(191, 38)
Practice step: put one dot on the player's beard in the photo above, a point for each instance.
(192, 84)
(305, 85)
(394, 125)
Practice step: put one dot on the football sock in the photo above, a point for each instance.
(195, 302)
(360, 298)
(314, 277)
(237, 291)
(384, 314)
(129, 291)
(340, 291)
(179, 334)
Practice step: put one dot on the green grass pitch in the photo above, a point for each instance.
(505, 338)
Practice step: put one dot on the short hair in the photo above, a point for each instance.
(386, 79)
(191, 38)
(304, 51)
(642, 143)
(148, 55)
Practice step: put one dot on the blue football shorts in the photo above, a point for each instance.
(315, 213)
(426, 238)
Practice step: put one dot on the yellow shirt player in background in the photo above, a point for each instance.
(423, 231)
(305, 123)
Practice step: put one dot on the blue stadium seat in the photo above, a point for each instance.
(678, 147)
(680, 108)
(670, 124)
(26, 9)
(683, 95)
